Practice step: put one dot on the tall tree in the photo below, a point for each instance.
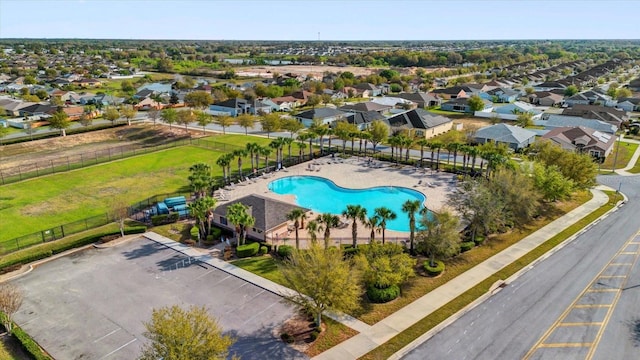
(270, 123)
(475, 103)
(203, 120)
(112, 114)
(384, 214)
(178, 334)
(378, 131)
(10, 301)
(118, 211)
(411, 208)
(224, 121)
(335, 284)
(312, 230)
(128, 112)
(200, 178)
(355, 213)
(238, 214)
(224, 161)
(154, 115)
(292, 125)
(240, 154)
(297, 215)
(327, 222)
(441, 237)
(321, 130)
(373, 224)
(247, 121)
(170, 116)
(59, 120)
(385, 265)
(185, 117)
(524, 119)
(198, 99)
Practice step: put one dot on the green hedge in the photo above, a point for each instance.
(435, 270)
(195, 233)
(350, 252)
(27, 343)
(384, 295)
(39, 252)
(285, 251)
(163, 219)
(247, 250)
(479, 239)
(216, 233)
(467, 245)
(264, 245)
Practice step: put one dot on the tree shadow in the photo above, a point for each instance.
(179, 261)
(148, 249)
(262, 345)
(634, 331)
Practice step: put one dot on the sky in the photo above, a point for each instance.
(321, 19)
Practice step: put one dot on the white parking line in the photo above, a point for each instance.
(104, 357)
(111, 333)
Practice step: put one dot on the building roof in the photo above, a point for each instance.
(320, 113)
(417, 119)
(580, 137)
(418, 97)
(38, 108)
(555, 121)
(269, 213)
(364, 117)
(505, 133)
(365, 106)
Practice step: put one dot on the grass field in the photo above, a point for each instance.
(624, 155)
(54, 200)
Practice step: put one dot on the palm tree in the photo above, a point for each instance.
(276, 144)
(454, 147)
(237, 214)
(436, 145)
(200, 210)
(297, 216)
(252, 149)
(372, 223)
(312, 229)
(355, 213)
(200, 178)
(301, 145)
(473, 152)
(411, 207)
(288, 142)
(423, 143)
(224, 161)
(393, 141)
(265, 151)
(366, 137)
(322, 131)
(385, 214)
(353, 135)
(327, 221)
(240, 153)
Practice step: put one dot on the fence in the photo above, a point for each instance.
(338, 241)
(63, 164)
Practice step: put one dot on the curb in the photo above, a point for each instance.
(497, 286)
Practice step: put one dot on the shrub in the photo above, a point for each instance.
(195, 233)
(350, 252)
(247, 250)
(263, 250)
(467, 245)
(435, 270)
(216, 233)
(285, 251)
(29, 345)
(378, 295)
(314, 335)
(286, 338)
(159, 219)
(173, 217)
(479, 240)
(266, 246)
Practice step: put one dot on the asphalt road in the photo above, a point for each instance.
(510, 323)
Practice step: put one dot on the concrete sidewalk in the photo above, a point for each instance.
(392, 325)
(632, 162)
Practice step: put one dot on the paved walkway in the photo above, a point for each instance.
(372, 336)
(632, 162)
(392, 325)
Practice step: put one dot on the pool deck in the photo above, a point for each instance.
(356, 173)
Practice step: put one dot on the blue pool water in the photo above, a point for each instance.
(324, 196)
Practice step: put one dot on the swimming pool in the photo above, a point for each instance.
(324, 196)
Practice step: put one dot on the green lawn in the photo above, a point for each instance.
(264, 266)
(50, 201)
(624, 155)
(636, 167)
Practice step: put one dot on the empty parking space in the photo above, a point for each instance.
(93, 304)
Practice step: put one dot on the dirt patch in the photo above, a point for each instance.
(317, 70)
(299, 328)
(44, 151)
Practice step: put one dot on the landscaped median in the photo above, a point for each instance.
(399, 341)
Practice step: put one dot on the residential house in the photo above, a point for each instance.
(583, 140)
(629, 104)
(144, 93)
(367, 90)
(608, 114)
(366, 107)
(549, 85)
(73, 112)
(462, 105)
(421, 123)
(12, 107)
(87, 83)
(635, 84)
(577, 99)
(555, 121)
(546, 98)
(395, 102)
(503, 95)
(38, 109)
(451, 93)
(148, 103)
(325, 115)
(232, 107)
(517, 108)
(270, 216)
(363, 119)
(335, 95)
(423, 100)
(158, 88)
(515, 137)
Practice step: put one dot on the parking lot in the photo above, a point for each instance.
(92, 304)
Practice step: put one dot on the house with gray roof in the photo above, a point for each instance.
(462, 105)
(325, 115)
(270, 217)
(504, 94)
(422, 99)
(364, 119)
(515, 137)
(421, 123)
(583, 140)
(365, 107)
(556, 121)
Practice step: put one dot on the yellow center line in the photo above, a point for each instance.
(563, 345)
(580, 324)
(584, 306)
